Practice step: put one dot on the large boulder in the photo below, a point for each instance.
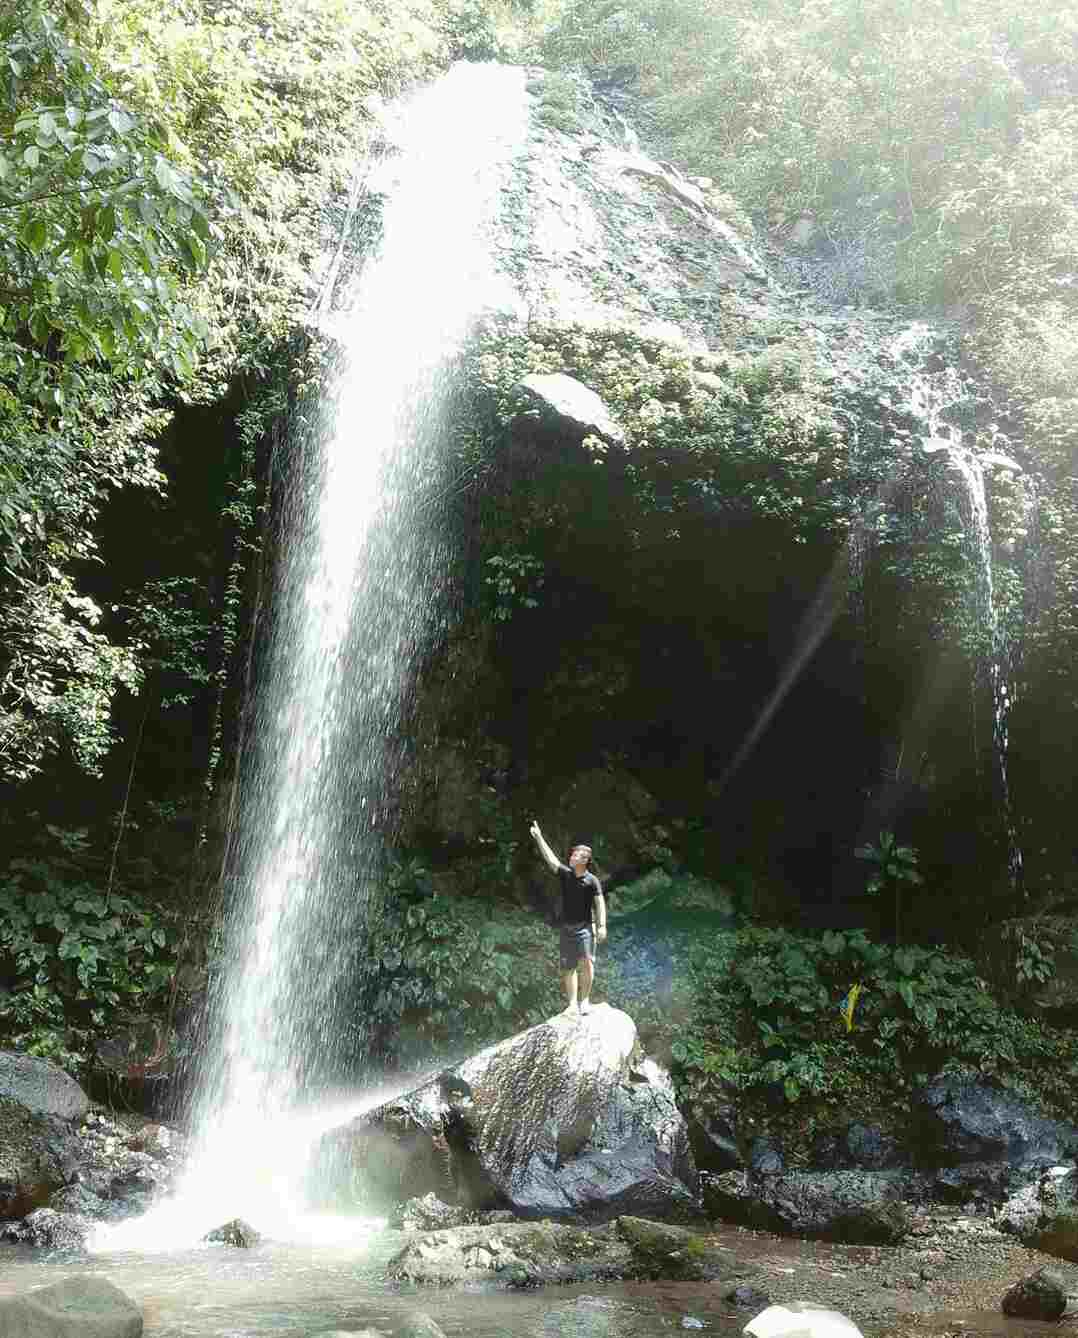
(1044, 1215)
(40, 1086)
(38, 1155)
(1041, 1295)
(84, 1306)
(964, 1120)
(855, 1207)
(565, 1119)
(47, 1229)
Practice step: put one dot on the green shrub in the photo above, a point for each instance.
(768, 1012)
(74, 957)
(447, 971)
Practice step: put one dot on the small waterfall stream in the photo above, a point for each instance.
(358, 588)
(930, 396)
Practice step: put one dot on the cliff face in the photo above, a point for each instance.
(735, 616)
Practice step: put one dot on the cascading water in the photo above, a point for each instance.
(930, 396)
(359, 585)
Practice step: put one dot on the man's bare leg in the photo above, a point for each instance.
(568, 986)
(586, 970)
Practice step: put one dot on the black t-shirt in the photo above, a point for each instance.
(577, 895)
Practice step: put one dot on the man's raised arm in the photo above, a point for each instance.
(550, 859)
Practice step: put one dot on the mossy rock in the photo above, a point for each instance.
(675, 1253)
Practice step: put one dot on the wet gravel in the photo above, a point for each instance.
(948, 1277)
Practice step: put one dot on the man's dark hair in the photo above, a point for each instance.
(576, 846)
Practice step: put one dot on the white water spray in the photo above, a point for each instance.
(931, 395)
(359, 584)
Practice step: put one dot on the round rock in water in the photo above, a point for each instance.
(747, 1297)
(237, 1232)
(40, 1086)
(1041, 1295)
(419, 1325)
(85, 1306)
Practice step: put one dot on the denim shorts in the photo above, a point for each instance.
(577, 941)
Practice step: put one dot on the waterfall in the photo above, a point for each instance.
(358, 591)
(930, 396)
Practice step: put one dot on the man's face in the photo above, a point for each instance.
(578, 860)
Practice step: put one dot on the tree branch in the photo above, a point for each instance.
(78, 190)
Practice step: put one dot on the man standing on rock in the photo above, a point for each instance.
(582, 920)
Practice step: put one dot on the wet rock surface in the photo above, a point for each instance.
(1042, 1295)
(1044, 1215)
(47, 1229)
(964, 1120)
(522, 1254)
(40, 1087)
(85, 1306)
(96, 1167)
(859, 1207)
(566, 1119)
(237, 1233)
(527, 1254)
(429, 1213)
(39, 1154)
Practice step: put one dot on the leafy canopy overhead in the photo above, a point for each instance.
(101, 232)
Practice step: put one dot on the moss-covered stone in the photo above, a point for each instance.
(662, 1251)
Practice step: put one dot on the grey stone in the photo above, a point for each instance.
(40, 1086)
(572, 406)
(50, 1230)
(661, 1251)
(855, 1207)
(530, 1254)
(80, 1201)
(428, 1213)
(728, 1196)
(1041, 1295)
(38, 1155)
(964, 1119)
(236, 1232)
(765, 1157)
(84, 1306)
(565, 1119)
(746, 1297)
(524, 1254)
(1044, 1215)
(714, 1139)
(420, 1325)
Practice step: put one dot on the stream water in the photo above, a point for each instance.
(319, 1290)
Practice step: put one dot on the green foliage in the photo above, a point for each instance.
(560, 101)
(892, 866)
(73, 958)
(513, 580)
(100, 229)
(98, 222)
(766, 1018)
(445, 971)
(57, 675)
